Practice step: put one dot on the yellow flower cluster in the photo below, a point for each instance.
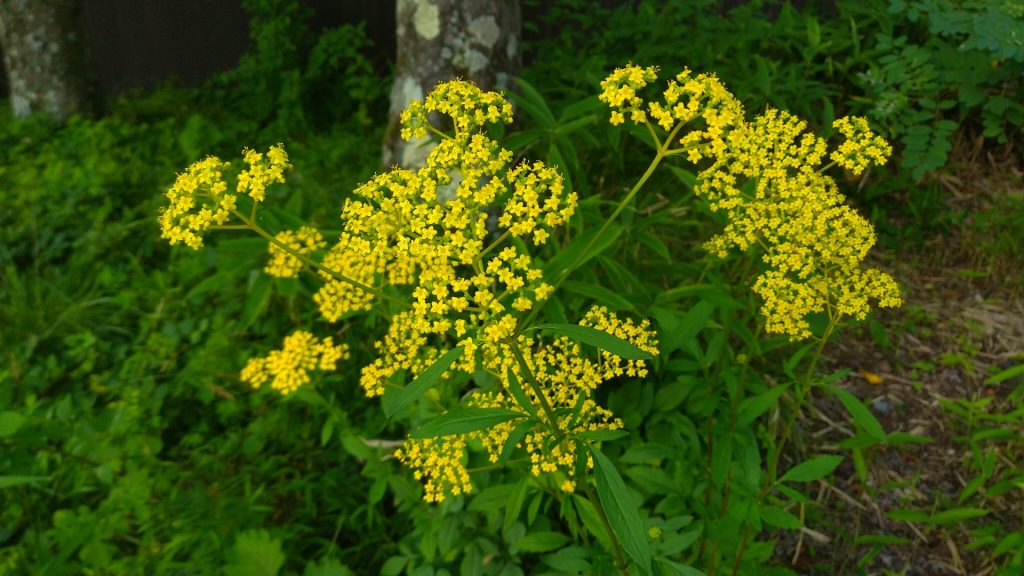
(263, 169)
(439, 464)
(619, 91)
(767, 179)
(433, 227)
(567, 378)
(283, 264)
(198, 200)
(289, 367)
(700, 101)
(355, 258)
(468, 107)
(766, 176)
(862, 146)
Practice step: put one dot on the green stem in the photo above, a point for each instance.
(663, 150)
(802, 388)
(480, 257)
(535, 386)
(313, 263)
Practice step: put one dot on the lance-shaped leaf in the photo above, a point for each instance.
(623, 515)
(465, 419)
(598, 339)
(423, 382)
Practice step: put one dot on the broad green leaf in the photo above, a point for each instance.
(256, 301)
(424, 381)
(677, 331)
(861, 415)
(571, 560)
(465, 419)
(623, 514)
(255, 553)
(751, 408)
(813, 469)
(779, 518)
(492, 498)
(542, 541)
(598, 339)
(10, 423)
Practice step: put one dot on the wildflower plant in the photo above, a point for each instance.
(456, 257)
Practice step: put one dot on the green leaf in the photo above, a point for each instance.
(907, 515)
(256, 301)
(861, 415)
(465, 419)
(514, 438)
(255, 553)
(623, 514)
(542, 541)
(956, 515)
(571, 560)
(10, 423)
(602, 435)
(598, 339)
(423, 382)
(327, 431)
(516, 501)
(813, 469)
(492, 498)
(516, 389)
(1006, 374)
(9, 481)
(327, 567)
(529, 99)
(599, 294)
(751, 408)
(676, 332)
(567, 255)
(780, 518)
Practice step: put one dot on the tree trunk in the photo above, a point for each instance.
(440, 40)
(45, 58)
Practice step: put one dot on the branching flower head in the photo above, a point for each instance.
(288, 368)
(198, 199)
(467, 105)
(862, 147)
(264, 169)
(566, 377)
(620, 91)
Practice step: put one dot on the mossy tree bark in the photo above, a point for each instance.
(45, 58)
(440, 40)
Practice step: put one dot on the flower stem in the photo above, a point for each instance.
(607, 526)
(313, 263)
